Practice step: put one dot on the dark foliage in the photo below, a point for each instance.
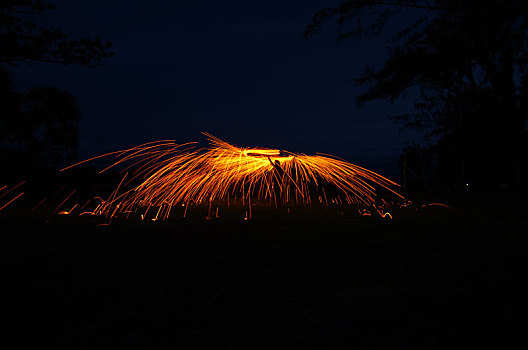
(467, 64)
(38, 128)
(22, 39)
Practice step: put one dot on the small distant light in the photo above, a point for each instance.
(467, 185)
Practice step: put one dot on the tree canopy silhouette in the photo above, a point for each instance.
(23, 39)
(466, 61)
(40, 126)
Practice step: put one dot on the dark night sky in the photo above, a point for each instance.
(236, 69)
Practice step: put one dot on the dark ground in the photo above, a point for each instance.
(427, 279)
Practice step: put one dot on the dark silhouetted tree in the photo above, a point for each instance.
(465, 62)
(23, 39)
(50, 118)
(417, 164)
(41, 123)
(40, 126)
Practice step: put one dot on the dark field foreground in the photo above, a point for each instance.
(427, 279)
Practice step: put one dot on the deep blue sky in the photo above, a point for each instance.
(236, 69)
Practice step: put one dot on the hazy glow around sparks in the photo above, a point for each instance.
(168, 174)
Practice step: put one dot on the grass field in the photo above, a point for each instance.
(427, 279)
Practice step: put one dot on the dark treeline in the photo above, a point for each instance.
(465, 64)
(38, 128)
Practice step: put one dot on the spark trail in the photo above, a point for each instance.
(163, 174)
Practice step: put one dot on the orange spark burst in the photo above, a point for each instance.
(170, 174)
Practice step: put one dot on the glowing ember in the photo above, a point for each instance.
(170, 174)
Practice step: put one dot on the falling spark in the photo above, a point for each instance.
(11, 201)
(15, 187)
(64, 201)
(440, 205)
(67, 212)
(38, 205)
